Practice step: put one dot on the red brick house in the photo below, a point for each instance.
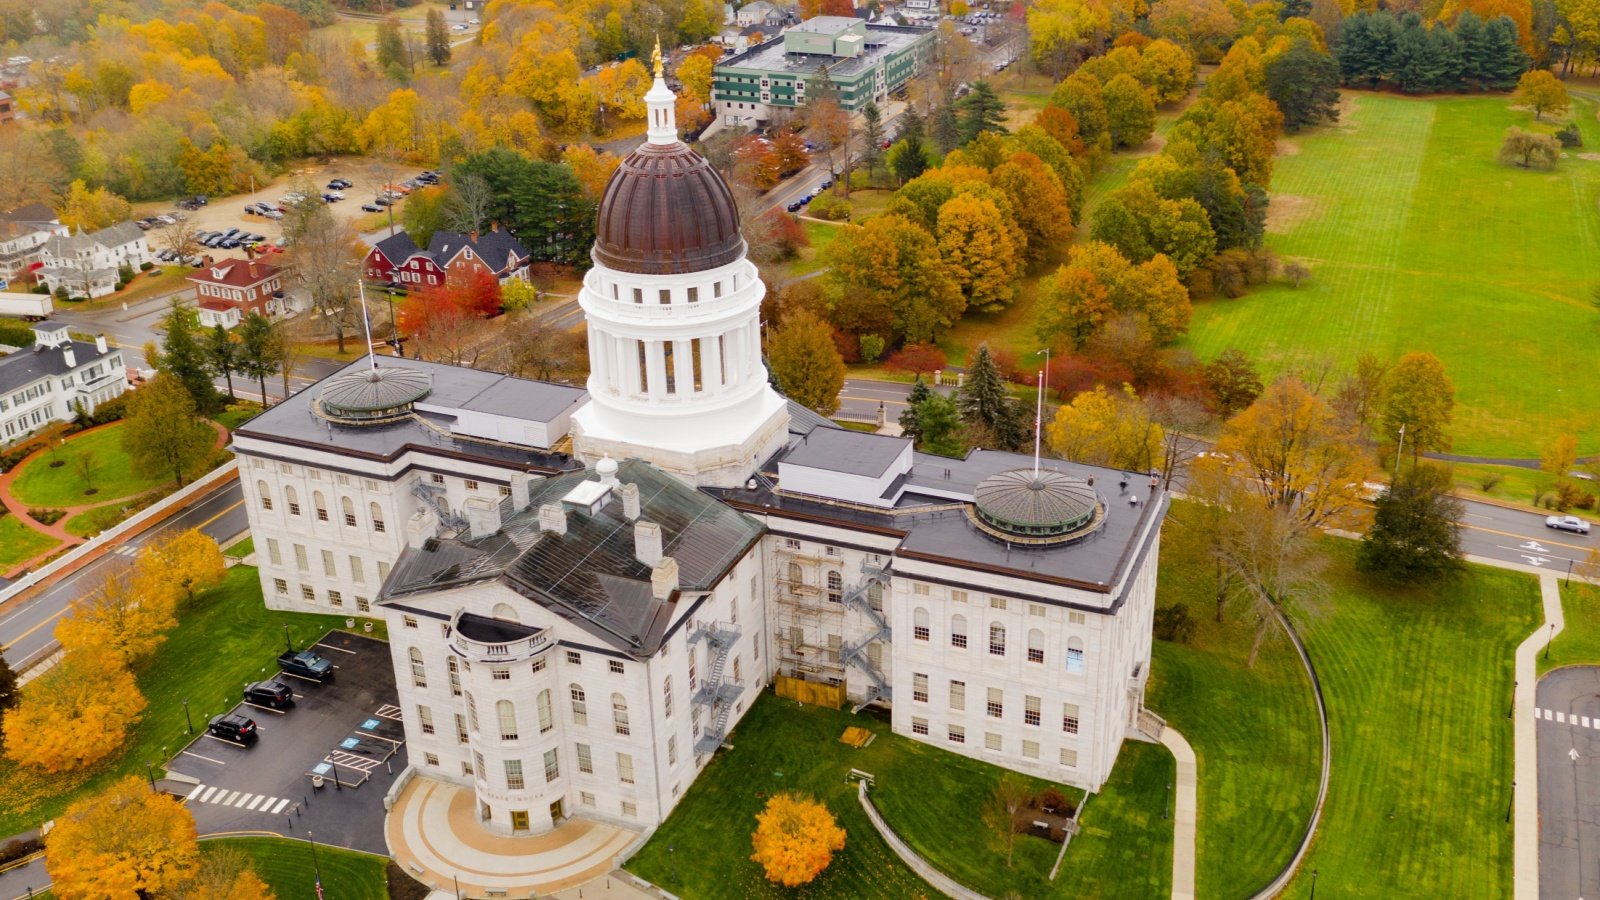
(451, 258)
(8, 108)
(233, 288)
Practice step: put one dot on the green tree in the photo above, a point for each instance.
(9, 695)
(1141, 224)
(910, 426)
(1414, 535)
(425, 212)
(908, 158)
(993, 417)
(258, 353)
(1304, 82)
(1130, 112)
(162, 434)
(183, 354)
(979, 111)
(1233, 381)
(222, 354)
(939, 424)
(806, 362)
(1418, 396)
(391, 46)
(542, 203)
(1080, 95)
(438, 38)
(872, 137)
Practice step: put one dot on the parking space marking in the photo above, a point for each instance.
(389, 711)
(337, 649)
(206, 758)
(276, 712)
(221, 741)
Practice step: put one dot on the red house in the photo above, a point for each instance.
(234, 288)
(451, 257)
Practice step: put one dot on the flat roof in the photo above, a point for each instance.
(826, 24)
(847, 452)
(771, 56)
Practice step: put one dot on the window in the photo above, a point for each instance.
(546, 719)
(958, 632)
(431, 759)
(472, 712)
(293, 499)
(672, 750)
(307, 594)
(957, 734)
(419, 673)
(997, 639)
(585, 759)
(919, 688)
(383, 570)
(1030, 710)
(273, 553)
(1069, 757)
(363, 605)
(919, 624)
(539, 664)
(321, 504)
(958, 695)
(791, 544)
(619, 714)
(580, 708)
(630, 808)
(1030, 749)
(504, 491)
(552, 765)
(920, 589)
(514, 775)
(1074, 656)
(665, 296)
(586, 798)
(454, 669)
(356, 573)
(616, 667)
(466, 768)
(666, 696)
(625, 768)
(477, 761)
(266, 498)
(335, 598)
(436, 478)
(1069, 718)
(995, 706)
(997, 603)
(738, 674)
(958, 596)
(300, 560)
(500, 673)
(461, 729)
(506, 712)
(327, 564)
(875, 596)
(716, 289)
(349, 510)
(694, 294)
(919, 726)
(472, 484)
(281, 586)
(573, 658)
(1077, 618)
(991, 741)
(638, 295)
(377, 518)
(1035, 645)
(425, 719)
(409, 621)
(835, 587)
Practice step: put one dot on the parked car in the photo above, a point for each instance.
(1567, 523)
(331, 198)
(795, 206)
(144, 224)
(371, 207)
(305, 664)
(383, 201)
(271, 693)
(272, 213)
(338, 184)
(251, 210)
(233, 727)
(164, 220)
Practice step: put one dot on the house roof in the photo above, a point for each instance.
(847, 452)
(62, 246)
(236, 273)
(117, 235)
(397, 247)
(24, 367)
(32, 213)
(495, 247)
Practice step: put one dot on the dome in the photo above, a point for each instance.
(376, 393)
(1043, 505)
(666, 212)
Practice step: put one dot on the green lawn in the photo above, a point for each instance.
(238, 413)
(1254, 731)
(287, 868)
(112, 474)
(1579, 640)
(243, 548)
(1418, 240)
(19, 543)
(224, 639)
(1417, 682)
(91, 522)
(1516, 485)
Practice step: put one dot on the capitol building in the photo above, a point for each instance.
(586, 588)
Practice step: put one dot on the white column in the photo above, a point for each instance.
(630, 368)
(711, 363)
(752, 347)
(683, 367)
(600, 359)
(656, 354)
(620, 360)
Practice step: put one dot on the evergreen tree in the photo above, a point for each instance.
(259, 351)
(1410, 51)
(940, 424)
(908, 158)
(1294, 9)
(1304, 82)
(1440, 67)
(980, 110)
(1502, 60)
(909, 424)
(438, 38)
(222, 354)
(1469, 33)
(1414, 535)
(391, 45)
(987, 407)
(8, 689)
(183, 356)
(872, 134)
(1357, 62)
(943, 127)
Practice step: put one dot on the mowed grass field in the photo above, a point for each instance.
(1418, 240)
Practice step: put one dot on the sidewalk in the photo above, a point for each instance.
(1185, 813)
(1525, 839)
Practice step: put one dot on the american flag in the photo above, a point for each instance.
(319, 887)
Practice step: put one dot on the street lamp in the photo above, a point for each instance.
(1313, 884)
(188, 724)
(287, 643)
(673, 859)
(150, 772)
(1548, 641)
(315, 867)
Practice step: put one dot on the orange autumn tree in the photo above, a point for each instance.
(129, 841)
(73, 715)
(795, 839)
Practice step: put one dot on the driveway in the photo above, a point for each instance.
(1568, 702)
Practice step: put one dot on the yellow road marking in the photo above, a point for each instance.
(1527, 538)
(219, 515)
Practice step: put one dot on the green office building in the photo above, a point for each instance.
(863, 62)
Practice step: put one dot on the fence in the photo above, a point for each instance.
(814, 693)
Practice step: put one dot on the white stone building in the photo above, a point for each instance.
(23, 233)
(87, 264)
(586, 590)
(42, 383)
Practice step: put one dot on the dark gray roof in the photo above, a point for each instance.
(1049, 499)
(51, 326)
(511, 397)
(590, 575)
(492, 247)
(30, 364)
(377, 389)
(397, 247)
(803, 418)
(33, 213)
(846, 451)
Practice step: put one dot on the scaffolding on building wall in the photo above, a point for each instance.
(812, 625)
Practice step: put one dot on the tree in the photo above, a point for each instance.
(806, 362)
(1142, 224)
(324, 257)
(438, 38)
(391, 46)
(222, 354)
(84, 463)
(828, 125)
(1418, 396)
(467, 208)
(1233, 381)
(75, 714)
(127, 616)
(795, 839)
(916, 359)
(224, 874)
(988, 409)
(183, 565)
(258, 350)
(1038, 205)
(1304, 83)
(86, 210)
(126, 842)
(162, 434)
(1130, 112)
(939, 423)
(183, 354)
(1200, 25)
(1002, 812)
(1414, 535)
(886, 276)
(10, 695)
(909, 425)
(1529, 150)
(871, 136)
(1296, 271)
(1081, 97)
(1106, 428)
(908, 158)
(1560, 457)
(979, 111)
(442, 328)
(537, 349)
(1098, 285)
(975, 241)
(1358, 394)
(425, 211)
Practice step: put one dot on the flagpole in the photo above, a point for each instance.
(366, 322)
(1038, 410)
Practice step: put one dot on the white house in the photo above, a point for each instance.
(586, 590)
(87, 264)
(42, 383)
(23, 233)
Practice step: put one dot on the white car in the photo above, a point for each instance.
(1567, 523)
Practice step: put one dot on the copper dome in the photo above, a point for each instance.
(665, 212)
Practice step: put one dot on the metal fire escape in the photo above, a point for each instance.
(715, 693)
(434, 496)
(854, 653)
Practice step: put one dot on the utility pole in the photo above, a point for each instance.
(1399, 452)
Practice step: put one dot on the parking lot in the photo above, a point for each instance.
(347, 727)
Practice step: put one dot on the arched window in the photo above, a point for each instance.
(619, 714)
(796, 577)
(546, 720)
(997, 639)
(322, 505)
(506, 712)
(1035, 645)
(580, 709)
(1074, 656)
(666, 696)
(419, 673)
(835, 587)
(264, 494)
(504, 612)
(348, 508)
(377, 518)
(291, 498)
(958, 631)
(919, 624)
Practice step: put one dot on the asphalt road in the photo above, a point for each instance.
(1569, 783)
(27, 630)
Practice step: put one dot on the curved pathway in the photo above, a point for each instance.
(1185, 813)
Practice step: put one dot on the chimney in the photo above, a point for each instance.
(483, 517)
(552, 517)
(519, 490)
(630, 501)
(474, 235)
(100, 343)
(647, 542)
(69, 356)
(420, 527)
(664, 578)
(252, 264)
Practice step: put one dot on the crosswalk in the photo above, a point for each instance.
(237, 799)
(1562, 718)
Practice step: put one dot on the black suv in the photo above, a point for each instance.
(272, 694)
(234, 727)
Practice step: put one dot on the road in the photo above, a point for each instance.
(1568, 707)
(26, 629)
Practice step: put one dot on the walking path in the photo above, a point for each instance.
(1185, 813)
(1525, 838)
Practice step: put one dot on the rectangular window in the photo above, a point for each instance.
(997, 603)
(1035, 655)
(363, 605)
(272, 552)
(958, 695)
(585, 759)
(630, 808)
(436, 478)
(546, 715)
(638, 295)
(383, 569)
(716, 289)
(1030, 749)
(409, 621)
(306, 593)
(919, 688)
(665, 296)
(585, 798)
(919, 632)
(694, 294)
(425, 719)
(672, 750)
(1030, 710)
(500, 673)
(455, 675)
(573, 658)
(300, 560)
(958, 640)
(472, 484)
(514, 775)
(461, 728)
(995, 706)
(1077, 618)
(356, 573)
(540, 663)
(552, 765)
(281, 586)
(625, 768)
(477, 760)
(1035, 609)
(991, 741)
(431, 759)
(957, 734)
(920, 589)
(616, 667)
(1069, 757)
(919, 726)
(1069, 718)
(1074, 661)
(335, 598)
(466, 768)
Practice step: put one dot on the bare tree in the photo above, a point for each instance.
(179, 237)
(324, 258)
(1002, 812)
(468, 209)
(535, 348)
(287, 335)
(1182, 419)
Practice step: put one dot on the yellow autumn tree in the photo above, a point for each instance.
(592, 168)
(183, 565)
(92, 210)
(224, 874)
(1108, 428)
(622, 87)
(795, 839)
(75, 714)
(126, 615)
(974, 240)
(127, 842)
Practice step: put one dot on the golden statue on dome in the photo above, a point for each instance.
(656, 56)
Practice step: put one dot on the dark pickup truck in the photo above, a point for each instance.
(305, 664)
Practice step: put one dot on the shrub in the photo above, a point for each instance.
(15, 334)
(1488, 481)
(848, 345)
(871, 347)
(916, 359)
(47, 516)
(1570, 495)
(795, 839)
(61, 293)
(146, 266)
(1050, 798)
(1569, 136)
(1529, 150)
(1173, 623)
(829, 206)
